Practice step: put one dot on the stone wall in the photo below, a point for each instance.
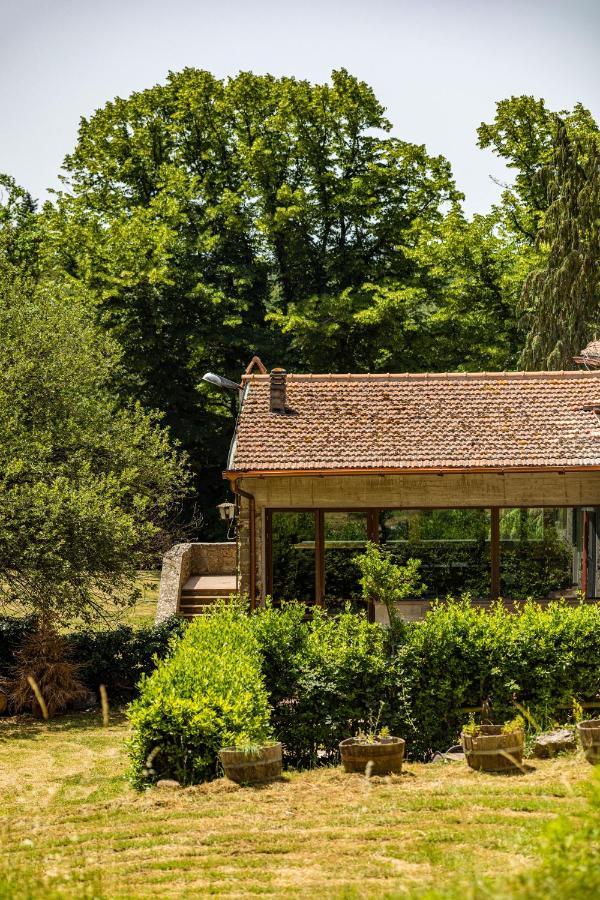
(185, 560)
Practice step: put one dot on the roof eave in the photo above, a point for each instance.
(234, 474)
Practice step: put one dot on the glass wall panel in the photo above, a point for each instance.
(293, 555)
(538, 553)
(452, 544)
(345, 538)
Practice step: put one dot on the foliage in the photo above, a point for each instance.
(118, 657)
(384, 580)
(327, 678)
(86, 482)
(335, 669)
(535, 568)
(460, 656)
(562, 299)
(115, 657)
(208, 694)
(211, 219)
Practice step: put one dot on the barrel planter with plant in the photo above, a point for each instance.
(493, 748)
(375, 755)
(253, 764)
(589, 735)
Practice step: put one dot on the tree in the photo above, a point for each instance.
(523, 134)
(561, 300)
(210, 219)
(85, 482)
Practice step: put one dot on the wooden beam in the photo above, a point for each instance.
(584, 553)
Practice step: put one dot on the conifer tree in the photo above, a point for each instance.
(561, 300)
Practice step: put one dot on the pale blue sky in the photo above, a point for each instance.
(437, 65)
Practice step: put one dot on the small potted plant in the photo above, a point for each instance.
(374, 752)
(494, 748)
(252, 763)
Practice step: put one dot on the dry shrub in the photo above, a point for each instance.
(44, 656)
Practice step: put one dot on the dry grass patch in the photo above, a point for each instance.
(71, 825)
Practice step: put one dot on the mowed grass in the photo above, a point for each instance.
(72, 827)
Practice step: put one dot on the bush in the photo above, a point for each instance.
(208, 694)
(13, 631)
(118, 657)
(461, 656)
(325, 678)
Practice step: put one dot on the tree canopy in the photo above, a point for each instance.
(204, 220)
(86, 482)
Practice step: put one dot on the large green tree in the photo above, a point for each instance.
(561, 299)
(86, 482)
(215, 219)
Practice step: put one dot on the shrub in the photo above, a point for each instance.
(325, 678)
(115, 657)
(460, 656)
(118, 657)
(13, 631)
(209, 693)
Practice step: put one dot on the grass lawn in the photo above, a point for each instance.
(71, 826)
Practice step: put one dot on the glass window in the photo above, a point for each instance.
(538, 555)
(293, 555)
(452, 544)
(345, 535)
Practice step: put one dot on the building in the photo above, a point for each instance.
(492, 480)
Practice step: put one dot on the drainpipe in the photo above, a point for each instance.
(252, 513)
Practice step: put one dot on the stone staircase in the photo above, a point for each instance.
(194, 576)
(200, 591)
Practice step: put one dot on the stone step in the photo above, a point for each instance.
(213, 583)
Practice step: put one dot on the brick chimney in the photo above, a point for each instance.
(277, 390)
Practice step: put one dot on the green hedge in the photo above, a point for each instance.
(208, 694)
(115, 657)
(329, 677)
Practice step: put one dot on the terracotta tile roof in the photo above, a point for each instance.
(440, 421)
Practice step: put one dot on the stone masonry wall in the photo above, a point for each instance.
(185, 560)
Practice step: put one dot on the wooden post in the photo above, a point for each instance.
(319, 557)
(584, 553)
(495, 551)
(373, 536)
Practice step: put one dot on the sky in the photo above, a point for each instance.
(438, 66)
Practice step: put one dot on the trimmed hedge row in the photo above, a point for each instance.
(328, 678)
(208, 694)
(116, 657)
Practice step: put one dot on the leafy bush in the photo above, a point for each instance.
(118, 657)
(325, 677)
(115, 657)
(460, 656)
(208, 694)
(13, 631)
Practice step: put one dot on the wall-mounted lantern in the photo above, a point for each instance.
(226, 510)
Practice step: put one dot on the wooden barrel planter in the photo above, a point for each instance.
(492, 750)
(383, 756)
(252, 768)
(589, 735)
